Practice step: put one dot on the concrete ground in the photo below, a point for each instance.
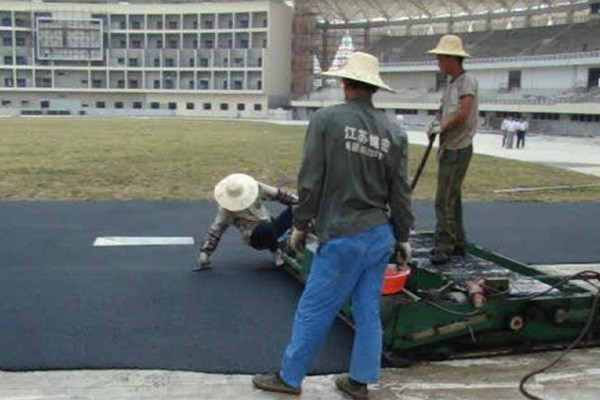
(577, 377)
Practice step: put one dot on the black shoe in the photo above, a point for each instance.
(355, 390)
(440, 257)
(273, 383)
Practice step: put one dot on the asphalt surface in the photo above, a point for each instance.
(69, 305)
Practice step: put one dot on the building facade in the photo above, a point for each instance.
(144, 58)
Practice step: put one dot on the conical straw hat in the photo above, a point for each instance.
(361, 67)
(450, 45)
(236, 192)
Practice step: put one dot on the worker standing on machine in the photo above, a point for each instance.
(456, 127)
(240, 199)
(354, 169)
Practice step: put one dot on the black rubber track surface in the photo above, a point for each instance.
(67, 305)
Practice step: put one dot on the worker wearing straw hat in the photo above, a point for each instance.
(240, 199)
(456, 125)
(353, 185)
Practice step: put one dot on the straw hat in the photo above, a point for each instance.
(450, 45)
(361, 67)
(236, 192)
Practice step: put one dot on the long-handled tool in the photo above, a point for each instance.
(423, 162)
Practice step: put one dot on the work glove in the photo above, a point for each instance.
(434, 128)
(403, 253)
(203, 262)
(297, 240)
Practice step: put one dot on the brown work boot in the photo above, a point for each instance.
(273, 383)
(356, 390)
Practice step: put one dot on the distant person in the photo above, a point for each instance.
(504, 129)
(353, 184)
(240, 199)
(522, 128)
(457, 126)
(511, 130)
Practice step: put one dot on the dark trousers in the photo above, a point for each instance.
(520, 138)
(265, 235)
(449, 229)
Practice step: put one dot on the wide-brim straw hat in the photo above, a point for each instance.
(450, 45)
(236, 192)
(361, 67)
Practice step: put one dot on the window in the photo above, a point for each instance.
(159, 25)
(204, 62)
(172, 24)
(6, 21)
(8, 60)
(8, 82)
(6, 41)
(241, 107)
(208, 44)
(121, 61)
(224, 106)
(119, 104)
(136, 25)
(259, 84)
(237, 85)
(137, 105)
(6, 103)
(136, 44)
(100, 104)
(172, 106)
(191, 84)
(21, 60)
(123, 44)
(224, 84)
(20, 41)
(159, 44)
(170, 62)
(21, 82)
(204, 84)
(173, 44)
(121, 83)
(157, 84)
(514, 80)
(133, 84)
(169, 84)
(155, 105)
(190, 106)
(244, 44)
(133, 62)
(157, 62)
(45, 104)
(258, 107)
(209, 24)
(96, 83)
(191, 62)
(207, 106)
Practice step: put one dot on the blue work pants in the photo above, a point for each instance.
(349, 266)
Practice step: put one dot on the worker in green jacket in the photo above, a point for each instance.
(354, 194)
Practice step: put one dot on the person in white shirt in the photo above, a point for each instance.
(511, 129)
(521, 132)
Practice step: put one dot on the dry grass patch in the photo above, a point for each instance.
(126, 158)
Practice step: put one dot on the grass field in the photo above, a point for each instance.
(118, 158)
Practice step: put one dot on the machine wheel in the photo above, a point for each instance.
(516, 322)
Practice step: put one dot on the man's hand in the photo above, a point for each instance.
(434, 128)
(403, 253)
(203, 262)
(297, 240)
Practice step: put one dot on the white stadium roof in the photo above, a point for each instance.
(382, 11)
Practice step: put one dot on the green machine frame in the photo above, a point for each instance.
(437, 316)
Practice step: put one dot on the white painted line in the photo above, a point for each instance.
(104, 241)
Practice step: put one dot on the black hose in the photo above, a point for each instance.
(586, 275)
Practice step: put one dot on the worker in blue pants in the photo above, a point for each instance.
(363, 257)
(354, 195)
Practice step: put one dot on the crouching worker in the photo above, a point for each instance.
(240, 199)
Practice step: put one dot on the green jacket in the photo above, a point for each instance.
(354, 172)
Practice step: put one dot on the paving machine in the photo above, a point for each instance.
(478, 304)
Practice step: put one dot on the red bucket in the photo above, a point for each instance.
(394, 279)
